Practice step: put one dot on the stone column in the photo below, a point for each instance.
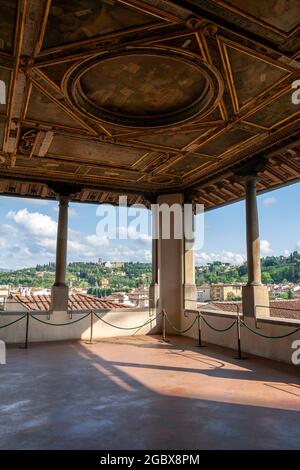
(60, 290)
(252, 229)
(255, 295)
(170, 254)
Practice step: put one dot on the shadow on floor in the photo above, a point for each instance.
(70, 395)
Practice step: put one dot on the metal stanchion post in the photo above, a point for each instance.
(164, 325)
(200, 330)
(239, 347)
(26, 332)
(91, 329)
(164, 335)
(239, 337)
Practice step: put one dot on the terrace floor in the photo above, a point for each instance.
(141, 393)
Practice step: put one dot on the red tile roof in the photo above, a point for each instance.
(278, 308)
(76, 302)
(285, 308)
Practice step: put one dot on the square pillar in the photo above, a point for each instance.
(170, 254)
(59, 298)
(255, 301)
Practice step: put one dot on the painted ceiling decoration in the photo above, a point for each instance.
(146, 97)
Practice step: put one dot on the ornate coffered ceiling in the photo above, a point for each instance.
(144, 97)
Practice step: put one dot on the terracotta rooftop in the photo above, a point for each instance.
(278, 308)
(76, 302)
(285, 308)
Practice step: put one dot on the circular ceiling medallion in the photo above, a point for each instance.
(162, 179)
(143, 87)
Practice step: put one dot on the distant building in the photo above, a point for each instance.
(277, 290)
(110, 264)
(117, 265)
(226, 291)
(296, 292)
(120, 298)
(203, 293)
(4, 293)
(140, 297)
(104, 282)
(5, 290)
(40, 291)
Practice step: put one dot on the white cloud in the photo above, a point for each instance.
(265, 247)
(94, 241)
(288, 252)
(126, 253)
(49, 243)
(31, 239)
(269, 201)
(35, 223)
(2, 242)
(132, 233)
(223, 256)
(8, 230)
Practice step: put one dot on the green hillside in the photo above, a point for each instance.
(275, 269)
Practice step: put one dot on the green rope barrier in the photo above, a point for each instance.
(60, 324)
(176, 329)
(128, 328)
(11, 323)
(221, 330)
(266, 336)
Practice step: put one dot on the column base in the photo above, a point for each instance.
(255, 301)
(190, 296)
(59, 298)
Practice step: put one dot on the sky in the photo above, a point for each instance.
(28, 231)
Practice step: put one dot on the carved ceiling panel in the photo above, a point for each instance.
(226, 140)
(8, 10)
(75, 20)
(282, 14)
(277, 111)
(146, 96)
(42, 109)
(93, 151)
(172, 139)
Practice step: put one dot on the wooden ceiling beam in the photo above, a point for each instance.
(29, 20)
(235, 28)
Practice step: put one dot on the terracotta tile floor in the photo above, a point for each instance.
(141, 393)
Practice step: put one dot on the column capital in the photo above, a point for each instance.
(251, 181)
(250, 171)
(171, 198)
(63, 200)
(65, 189)
(151, 198)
